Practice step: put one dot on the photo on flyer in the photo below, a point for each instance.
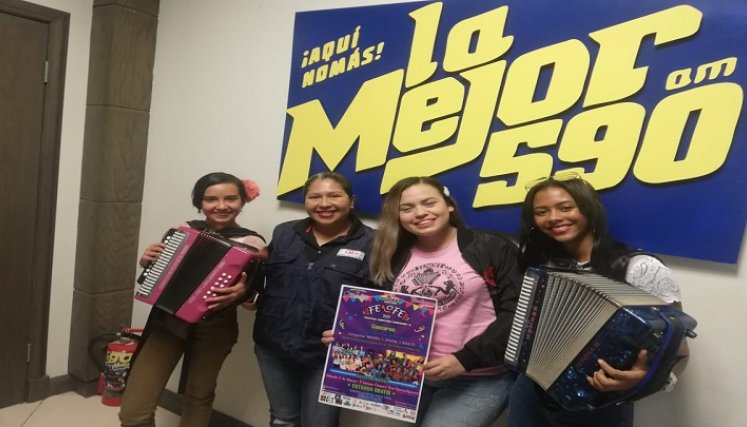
(375, 363)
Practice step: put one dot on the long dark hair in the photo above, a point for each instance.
(608, 257)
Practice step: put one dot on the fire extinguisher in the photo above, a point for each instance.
(116, 364)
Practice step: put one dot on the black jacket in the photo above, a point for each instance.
(495, 259)
(300, 297)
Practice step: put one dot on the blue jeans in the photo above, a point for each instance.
(293, 392)
(530, 406)
(464, 401)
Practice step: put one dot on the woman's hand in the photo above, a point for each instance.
(610, 379)
(151, 253)
(225, 297)
(250, 304)
(328, 337)
(443, 368)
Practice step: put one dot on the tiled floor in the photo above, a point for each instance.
(71, 410)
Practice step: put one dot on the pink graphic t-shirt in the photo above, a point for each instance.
(464, 305)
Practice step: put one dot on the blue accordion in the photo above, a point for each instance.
(566, 321)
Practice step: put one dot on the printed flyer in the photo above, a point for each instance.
(375, 364)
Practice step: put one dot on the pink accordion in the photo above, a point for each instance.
(192, 264)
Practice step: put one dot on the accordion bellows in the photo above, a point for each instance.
(566, 321)
(193, 263)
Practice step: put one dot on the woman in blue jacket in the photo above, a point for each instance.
(310, 259)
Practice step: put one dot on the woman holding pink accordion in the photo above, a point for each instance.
(220, 197)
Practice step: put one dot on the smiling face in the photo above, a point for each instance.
(423, 211)
(557, 215)
(327, 203)
(221, 204)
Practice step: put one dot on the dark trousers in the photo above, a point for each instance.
(530, 406)
(166, 342)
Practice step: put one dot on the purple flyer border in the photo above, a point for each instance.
(382, 340)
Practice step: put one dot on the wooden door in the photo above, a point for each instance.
(23, 54)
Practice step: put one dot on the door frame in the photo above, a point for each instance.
(37, 381)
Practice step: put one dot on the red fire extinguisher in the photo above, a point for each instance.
(116, 365)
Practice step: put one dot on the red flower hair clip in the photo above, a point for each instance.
(252, 189)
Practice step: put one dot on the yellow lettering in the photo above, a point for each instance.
(615, 75)
(679, 79)
(420, 67)
(477, 117)
(428, 115)
(368, 120)
(355, 60)
(343, 44)
(713, 69)
(308, 78)
(337, 67)
(315, 56)
(501, 159)
(569, 62)
(487, 29)
(609, 135)
(718, 106)
(321, 73)
(328, 50)
(368, 55)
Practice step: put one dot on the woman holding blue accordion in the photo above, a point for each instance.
(564, 225)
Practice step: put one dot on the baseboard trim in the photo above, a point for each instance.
(61, 384)
(84, 388)
(43, 387)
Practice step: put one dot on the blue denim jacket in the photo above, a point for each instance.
(300, 297)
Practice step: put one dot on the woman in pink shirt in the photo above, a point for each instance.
(422, 247)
